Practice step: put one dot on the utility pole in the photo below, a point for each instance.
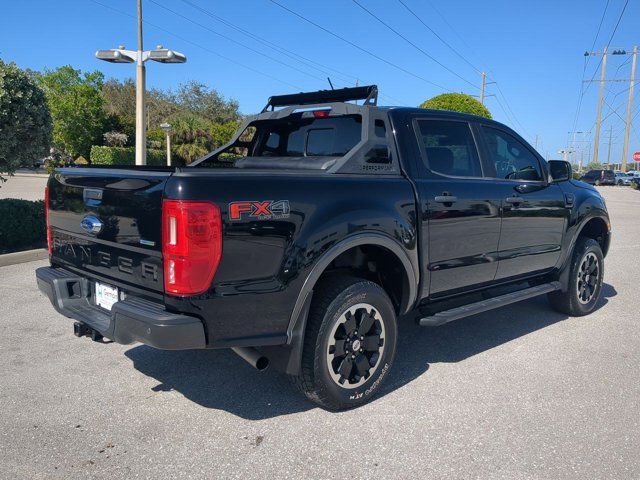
(596, 138)
(484, 82)
(609, 145)
(627, 130)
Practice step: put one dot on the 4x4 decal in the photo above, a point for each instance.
(259, 210)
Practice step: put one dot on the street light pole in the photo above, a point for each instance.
(140, 57)
(167, 128)
(141, 131)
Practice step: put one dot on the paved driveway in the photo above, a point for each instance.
(27, 186)
(521, 392)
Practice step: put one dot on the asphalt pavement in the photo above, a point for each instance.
(25, 184)
(520, 392)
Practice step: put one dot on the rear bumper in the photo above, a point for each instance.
(130, 320)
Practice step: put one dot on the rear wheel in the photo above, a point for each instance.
(585, 280)
(349, 343)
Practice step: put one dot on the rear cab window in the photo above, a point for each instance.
(300, 140)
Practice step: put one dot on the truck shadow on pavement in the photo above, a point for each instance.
(220, 380)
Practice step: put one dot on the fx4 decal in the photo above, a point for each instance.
(259, 210)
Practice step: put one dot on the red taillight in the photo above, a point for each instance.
(191, 245)
(46, 218)
(321, 113)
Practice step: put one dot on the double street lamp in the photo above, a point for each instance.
(140, 56)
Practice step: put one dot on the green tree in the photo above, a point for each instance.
(76, 105)
(25, 121)
(197, 98)
(191, 137)
(221, 133)
(457, 102)
(594, 166)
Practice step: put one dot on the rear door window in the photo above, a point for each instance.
(449, 148)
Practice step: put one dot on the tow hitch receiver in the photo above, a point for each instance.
(82, 330)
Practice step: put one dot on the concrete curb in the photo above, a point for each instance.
(26, 174)
(23, 257)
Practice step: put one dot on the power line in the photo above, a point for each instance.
(255, 70)
(293, 55)
(213, 52)
(209, 29)
(464, 42)
(278, 48)
(583, 88)
(358, 47)
(608, 44)
(509, 107)
(600, 25)
(438, 36)
(426, 54)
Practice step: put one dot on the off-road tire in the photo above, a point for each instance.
(332, 298)
(569, 302)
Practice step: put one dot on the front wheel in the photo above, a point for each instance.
(585, 280)
(349, 344)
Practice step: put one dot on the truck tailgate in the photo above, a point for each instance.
(106, 223)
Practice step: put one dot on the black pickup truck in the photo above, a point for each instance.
(302, 241)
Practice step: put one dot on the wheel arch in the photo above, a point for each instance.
(596, 227)
(358, 240)
(287, 357)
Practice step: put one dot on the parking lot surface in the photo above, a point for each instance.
(520, 392)
(26, 186)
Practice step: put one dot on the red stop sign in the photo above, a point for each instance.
(636, 157)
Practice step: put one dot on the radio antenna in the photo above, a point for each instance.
(331, 84)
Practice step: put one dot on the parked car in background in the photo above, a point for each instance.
(623, 178)
(599, 177)
(41, 163)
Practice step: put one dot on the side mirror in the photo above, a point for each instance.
(559, 170)
(378, 154)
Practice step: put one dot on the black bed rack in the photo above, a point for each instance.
(368, 93)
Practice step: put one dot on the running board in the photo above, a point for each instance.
(489, 304)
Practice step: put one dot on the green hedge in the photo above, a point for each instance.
(125, 156)
(22, 225)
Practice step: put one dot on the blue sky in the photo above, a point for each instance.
(534, 50)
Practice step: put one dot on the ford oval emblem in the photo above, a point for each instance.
(91, 224)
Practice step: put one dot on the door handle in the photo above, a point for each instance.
(514, 200)
(445, 199)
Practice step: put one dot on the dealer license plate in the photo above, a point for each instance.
(106, 295)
